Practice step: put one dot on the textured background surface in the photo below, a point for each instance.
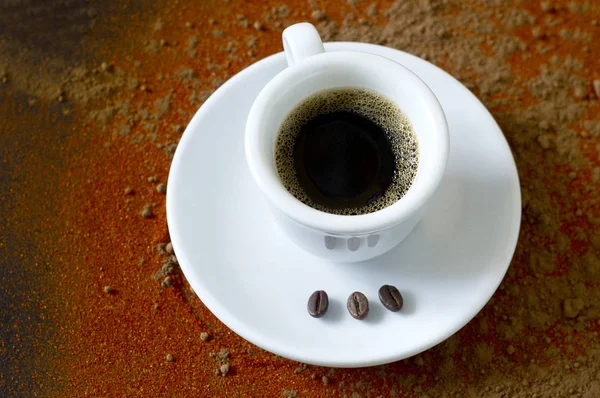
(93, 99)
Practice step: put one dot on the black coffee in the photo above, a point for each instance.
(346, 151)
(343, 160)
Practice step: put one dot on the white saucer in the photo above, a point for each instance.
(257, 282)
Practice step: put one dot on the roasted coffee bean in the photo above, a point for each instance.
(317, 304)
(391, 298)
(358, 305)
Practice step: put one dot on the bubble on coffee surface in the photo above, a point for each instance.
(370, 105)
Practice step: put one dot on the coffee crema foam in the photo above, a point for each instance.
(366, 103)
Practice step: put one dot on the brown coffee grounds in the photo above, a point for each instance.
(168, 271)
(163, 105)
(300, 368)
(318, 15)
(224, 369)
(147, 211)
(221, 359)
(596, 84)
(167, 282)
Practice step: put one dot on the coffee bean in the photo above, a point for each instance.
(391, 298)
(358, 305)
(317, 304)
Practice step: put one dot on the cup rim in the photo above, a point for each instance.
(335, 224)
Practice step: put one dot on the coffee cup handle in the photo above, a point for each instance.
(301, 41)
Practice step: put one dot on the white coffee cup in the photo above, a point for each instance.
(310, 70)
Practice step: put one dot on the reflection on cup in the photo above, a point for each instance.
(353, 244)
(330, 242)
(372, 240)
